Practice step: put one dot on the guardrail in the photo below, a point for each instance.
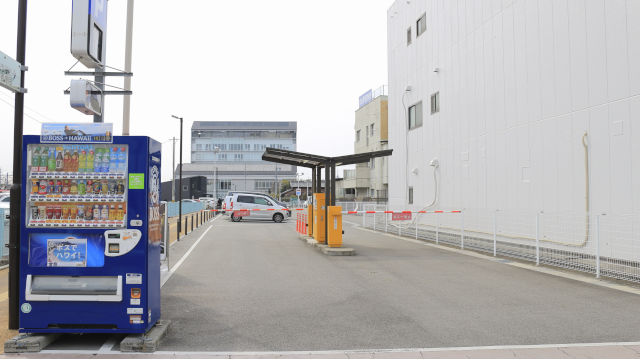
(604, 244)
(187, 207)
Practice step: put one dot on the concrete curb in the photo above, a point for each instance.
(137, 343)
(28, 343)
(326, 249)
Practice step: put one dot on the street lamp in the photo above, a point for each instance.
(180, 197)
(215, 172)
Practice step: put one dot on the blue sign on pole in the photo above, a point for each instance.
(98, 8)
(366, 98)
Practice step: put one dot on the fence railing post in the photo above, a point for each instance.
(495, 232)
(386, 215)
(400, 228)
(417, 217)
(374, 221)
(462, 232)
(363, 220)
(598, 245)
(437, 227)
(537, 238)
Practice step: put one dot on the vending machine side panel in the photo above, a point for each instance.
(155, 232)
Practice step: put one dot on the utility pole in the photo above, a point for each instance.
(173, 173)
(126, 107)
(16, 188)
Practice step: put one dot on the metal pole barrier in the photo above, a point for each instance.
(537, 238)
(400, 229)
(437, 227)
(462, 233)
(192, 223)
(386, 216)
(495, 226)
(186, 225)
(417, 217)
(598, 245)
(363, 219)
(374, 221)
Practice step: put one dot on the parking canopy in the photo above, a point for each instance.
(312, 161)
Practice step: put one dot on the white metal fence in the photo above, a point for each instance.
(603, 244)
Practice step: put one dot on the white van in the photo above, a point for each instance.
(257, 207)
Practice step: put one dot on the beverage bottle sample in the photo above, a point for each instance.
(105, 187)
(122, 157)
(113, 159)
(120, 187)
(82, 188)
(91, 156)
(96, 212)
(82, 161)
(58, 187)
(89, 187)
(104, 214)
(63, 163)
(51, 162)
(73, 189)
(44, 157)
(120, 215)
(112, 213)
(74, 162)
(106, 158)
(35, 160)
(66, 187)
(96, 187)
(97, 167)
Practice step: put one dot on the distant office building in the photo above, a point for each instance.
(502, 94)
(369, 180)
(238, 164)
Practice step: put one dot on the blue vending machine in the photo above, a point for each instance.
(90, 236)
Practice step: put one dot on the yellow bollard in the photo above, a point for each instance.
(334, 236)
(318, 218)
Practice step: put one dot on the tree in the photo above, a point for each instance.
(284, 185)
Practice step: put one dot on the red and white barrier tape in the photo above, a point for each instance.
(392, 212)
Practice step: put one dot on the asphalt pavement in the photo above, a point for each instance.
(254, 286)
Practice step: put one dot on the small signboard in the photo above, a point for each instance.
(298, 192)
(136, 180)
(77, 133)
(401, 216)
(68, 252)
(241, 213)
(10, 73)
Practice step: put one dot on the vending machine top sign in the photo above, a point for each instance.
(89, 32)
(77, 132)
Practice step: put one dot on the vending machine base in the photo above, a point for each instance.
(150, 341)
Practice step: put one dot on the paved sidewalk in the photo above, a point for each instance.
(587, 351)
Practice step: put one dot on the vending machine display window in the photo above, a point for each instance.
(77, 185)
(66, 250)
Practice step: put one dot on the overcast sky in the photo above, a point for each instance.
(210, 60)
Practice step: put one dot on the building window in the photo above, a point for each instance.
(222, 157)
(415, 115)
(372, 130)
(185, 188)
(198, 147)
(435, 102)
(408, 36)
(421, 25)
(237, 157)
(410, 195)
(224, 184)
(373, 163)
(358, 136)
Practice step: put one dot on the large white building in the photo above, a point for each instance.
(502, 93)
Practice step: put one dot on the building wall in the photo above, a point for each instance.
(520, 83)
(367, 178)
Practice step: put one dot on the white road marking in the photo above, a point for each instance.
(110, 343)
(358, 351)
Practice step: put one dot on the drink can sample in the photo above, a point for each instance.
(57, 212)
(88, 213)
(112, 187)
(58, 187)
(81, 211)
(44, 187)
(42, 212)
(35, 186)
(34, 213)
(49, 212)
(51, 186)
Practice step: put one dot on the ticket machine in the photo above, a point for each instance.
(90, 234)
(319, 218)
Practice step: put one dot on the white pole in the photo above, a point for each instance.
(598, 245)
(173, 173)
(537, 238)
(417, 217)
(462, 232)
(126, 106)
(386, 216)
(374, 221)
(495, 229)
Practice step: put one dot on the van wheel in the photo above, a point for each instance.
(235, 219)
(278, 218)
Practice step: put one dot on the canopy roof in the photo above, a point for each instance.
(310, 161)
